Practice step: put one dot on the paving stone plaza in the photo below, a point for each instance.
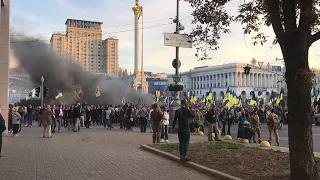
(91, 154)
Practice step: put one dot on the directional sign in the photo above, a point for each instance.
(260, 64)
(177, 40)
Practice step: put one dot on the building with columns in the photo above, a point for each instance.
(4, 58)
(200, 80)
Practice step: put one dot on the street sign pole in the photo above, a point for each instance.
(42, 89)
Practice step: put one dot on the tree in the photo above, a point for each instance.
(295, 24)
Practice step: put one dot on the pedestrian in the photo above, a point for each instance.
(2, 129)
(16, 118)
(212, 119)
(156, 118)
(143, 113)
(165, 125)
(183, 115)
(47, 121)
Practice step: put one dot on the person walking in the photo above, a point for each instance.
(183, 116)
(156, 118)
(47, 121)
(16, 119)
(143, 113)
(2, 129)
(212, 119)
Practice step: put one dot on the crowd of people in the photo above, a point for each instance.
(190, 119)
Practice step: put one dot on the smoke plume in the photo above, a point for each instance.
(35, 57)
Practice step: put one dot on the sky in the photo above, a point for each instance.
(41, 18)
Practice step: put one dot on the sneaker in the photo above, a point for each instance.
(1, 157)
(162, 140)
(167, 141)
(15, 135)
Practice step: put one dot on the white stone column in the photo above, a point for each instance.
(232, 79)
(4, 58)
(236, 79)
(137, 42)
(216, 80)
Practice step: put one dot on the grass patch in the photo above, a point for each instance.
(236, 159)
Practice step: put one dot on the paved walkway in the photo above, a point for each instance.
(91, 154)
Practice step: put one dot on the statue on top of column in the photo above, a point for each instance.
(137, 9)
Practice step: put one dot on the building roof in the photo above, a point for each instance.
(83, 20)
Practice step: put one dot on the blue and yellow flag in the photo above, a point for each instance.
(58, 94)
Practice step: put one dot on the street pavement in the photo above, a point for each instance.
(91, 154)
(97, 153)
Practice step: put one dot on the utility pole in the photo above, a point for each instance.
(42, 92)
(176, 64)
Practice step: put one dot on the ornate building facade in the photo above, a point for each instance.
(199, 81)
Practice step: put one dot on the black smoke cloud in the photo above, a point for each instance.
(35, 57)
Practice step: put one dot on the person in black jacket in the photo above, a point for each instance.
(2, 128)
(183, 116)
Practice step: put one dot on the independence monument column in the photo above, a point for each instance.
(137, 10)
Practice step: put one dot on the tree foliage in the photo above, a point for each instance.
(212, 20)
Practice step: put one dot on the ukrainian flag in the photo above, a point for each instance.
(58, 94)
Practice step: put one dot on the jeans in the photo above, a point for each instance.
(184, 138)
(165, 132)
(0, 142)
(59, 123)
(29, 119)
(76, 125)
(109, 123)
(150, 125)
(82, 118)
(143, 124)
(54, 125)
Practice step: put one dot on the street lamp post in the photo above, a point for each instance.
(176, 64)
(42, 89)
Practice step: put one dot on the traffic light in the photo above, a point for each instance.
(247, 70)
(37, 91)
(45, 92)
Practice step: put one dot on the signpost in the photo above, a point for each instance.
(177, 40)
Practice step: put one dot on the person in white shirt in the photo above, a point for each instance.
(165, 120)
(150, 122)
(107, 121)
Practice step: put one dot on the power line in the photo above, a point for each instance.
(118, 26)
(115, 32)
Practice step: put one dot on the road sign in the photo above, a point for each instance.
(260, 64)
(177, 40)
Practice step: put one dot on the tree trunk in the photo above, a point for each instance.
(302, 165)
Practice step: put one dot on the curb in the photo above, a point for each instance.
(198, 167)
